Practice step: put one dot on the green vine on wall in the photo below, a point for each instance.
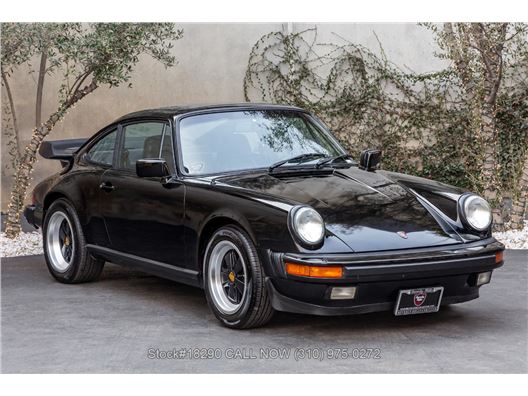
(421, 122)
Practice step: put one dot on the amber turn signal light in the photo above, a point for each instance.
(312, 271)
(499, 257)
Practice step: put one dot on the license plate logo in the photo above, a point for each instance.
(419, 298)
(417, 301)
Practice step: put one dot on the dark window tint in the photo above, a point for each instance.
(146, 140)
(102, 152)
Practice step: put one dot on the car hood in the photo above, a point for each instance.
(369, 211)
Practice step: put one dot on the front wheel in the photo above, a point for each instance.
(234, 280)
(65, 248)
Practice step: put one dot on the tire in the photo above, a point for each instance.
(65, 250)
(231, 251)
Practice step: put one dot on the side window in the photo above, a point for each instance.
(145, 140)
(102, 152)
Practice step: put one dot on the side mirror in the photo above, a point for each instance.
(152, 167)
(369, 159)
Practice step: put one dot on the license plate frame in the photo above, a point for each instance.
(428, 299)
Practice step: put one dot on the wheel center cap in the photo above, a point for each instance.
(231, 276)
(67, 241)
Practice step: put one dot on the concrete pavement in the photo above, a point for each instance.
(131, 322)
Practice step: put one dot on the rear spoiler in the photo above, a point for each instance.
(62, 150)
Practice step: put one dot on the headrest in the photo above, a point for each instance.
(151, 147)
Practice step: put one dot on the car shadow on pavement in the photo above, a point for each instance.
(180, 298)
(371, 321)
(121, 286)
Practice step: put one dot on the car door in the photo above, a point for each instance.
(95, 160)
(144, 215)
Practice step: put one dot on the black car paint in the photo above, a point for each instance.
(162, 225)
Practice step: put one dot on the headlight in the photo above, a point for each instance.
(308, 225)
(477, 212)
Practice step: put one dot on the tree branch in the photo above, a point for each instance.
(460, 63)
(13, 112)
(78, 82)
(40, 86)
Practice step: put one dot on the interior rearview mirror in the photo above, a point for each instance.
(152, 167)
(369, 159)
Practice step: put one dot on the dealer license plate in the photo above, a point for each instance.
(417, 301)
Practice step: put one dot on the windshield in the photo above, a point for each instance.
(222, 142)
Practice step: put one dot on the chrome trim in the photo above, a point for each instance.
(57, 249)
(217, 285)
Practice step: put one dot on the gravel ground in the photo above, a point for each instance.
(26, 244)
(514, 239)
(30, 243)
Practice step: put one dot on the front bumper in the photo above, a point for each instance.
(378, 277)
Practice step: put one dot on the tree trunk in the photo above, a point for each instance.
(13, 114)
(519, 206)
(481, 91)
(491, 184)
(491, 58)
(40, 87)
(23, 173)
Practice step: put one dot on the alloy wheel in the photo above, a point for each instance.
(227, 277)
(60, 241)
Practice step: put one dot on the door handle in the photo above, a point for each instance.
(106, 186)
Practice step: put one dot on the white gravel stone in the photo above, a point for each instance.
(514, 239)
(26, 244)
(29, 243)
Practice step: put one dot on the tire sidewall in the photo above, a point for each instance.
(237, 237)
(78, 254)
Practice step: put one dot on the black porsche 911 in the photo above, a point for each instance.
(260, 206)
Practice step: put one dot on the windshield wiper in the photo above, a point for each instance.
(329, 160)
(297, 158)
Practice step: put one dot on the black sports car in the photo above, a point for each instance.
(260, 206)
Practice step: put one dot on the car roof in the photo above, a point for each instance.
(168, 112)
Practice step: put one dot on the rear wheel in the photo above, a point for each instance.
(234, 280)
(65, 250)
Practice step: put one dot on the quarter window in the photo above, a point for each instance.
(102, 152)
